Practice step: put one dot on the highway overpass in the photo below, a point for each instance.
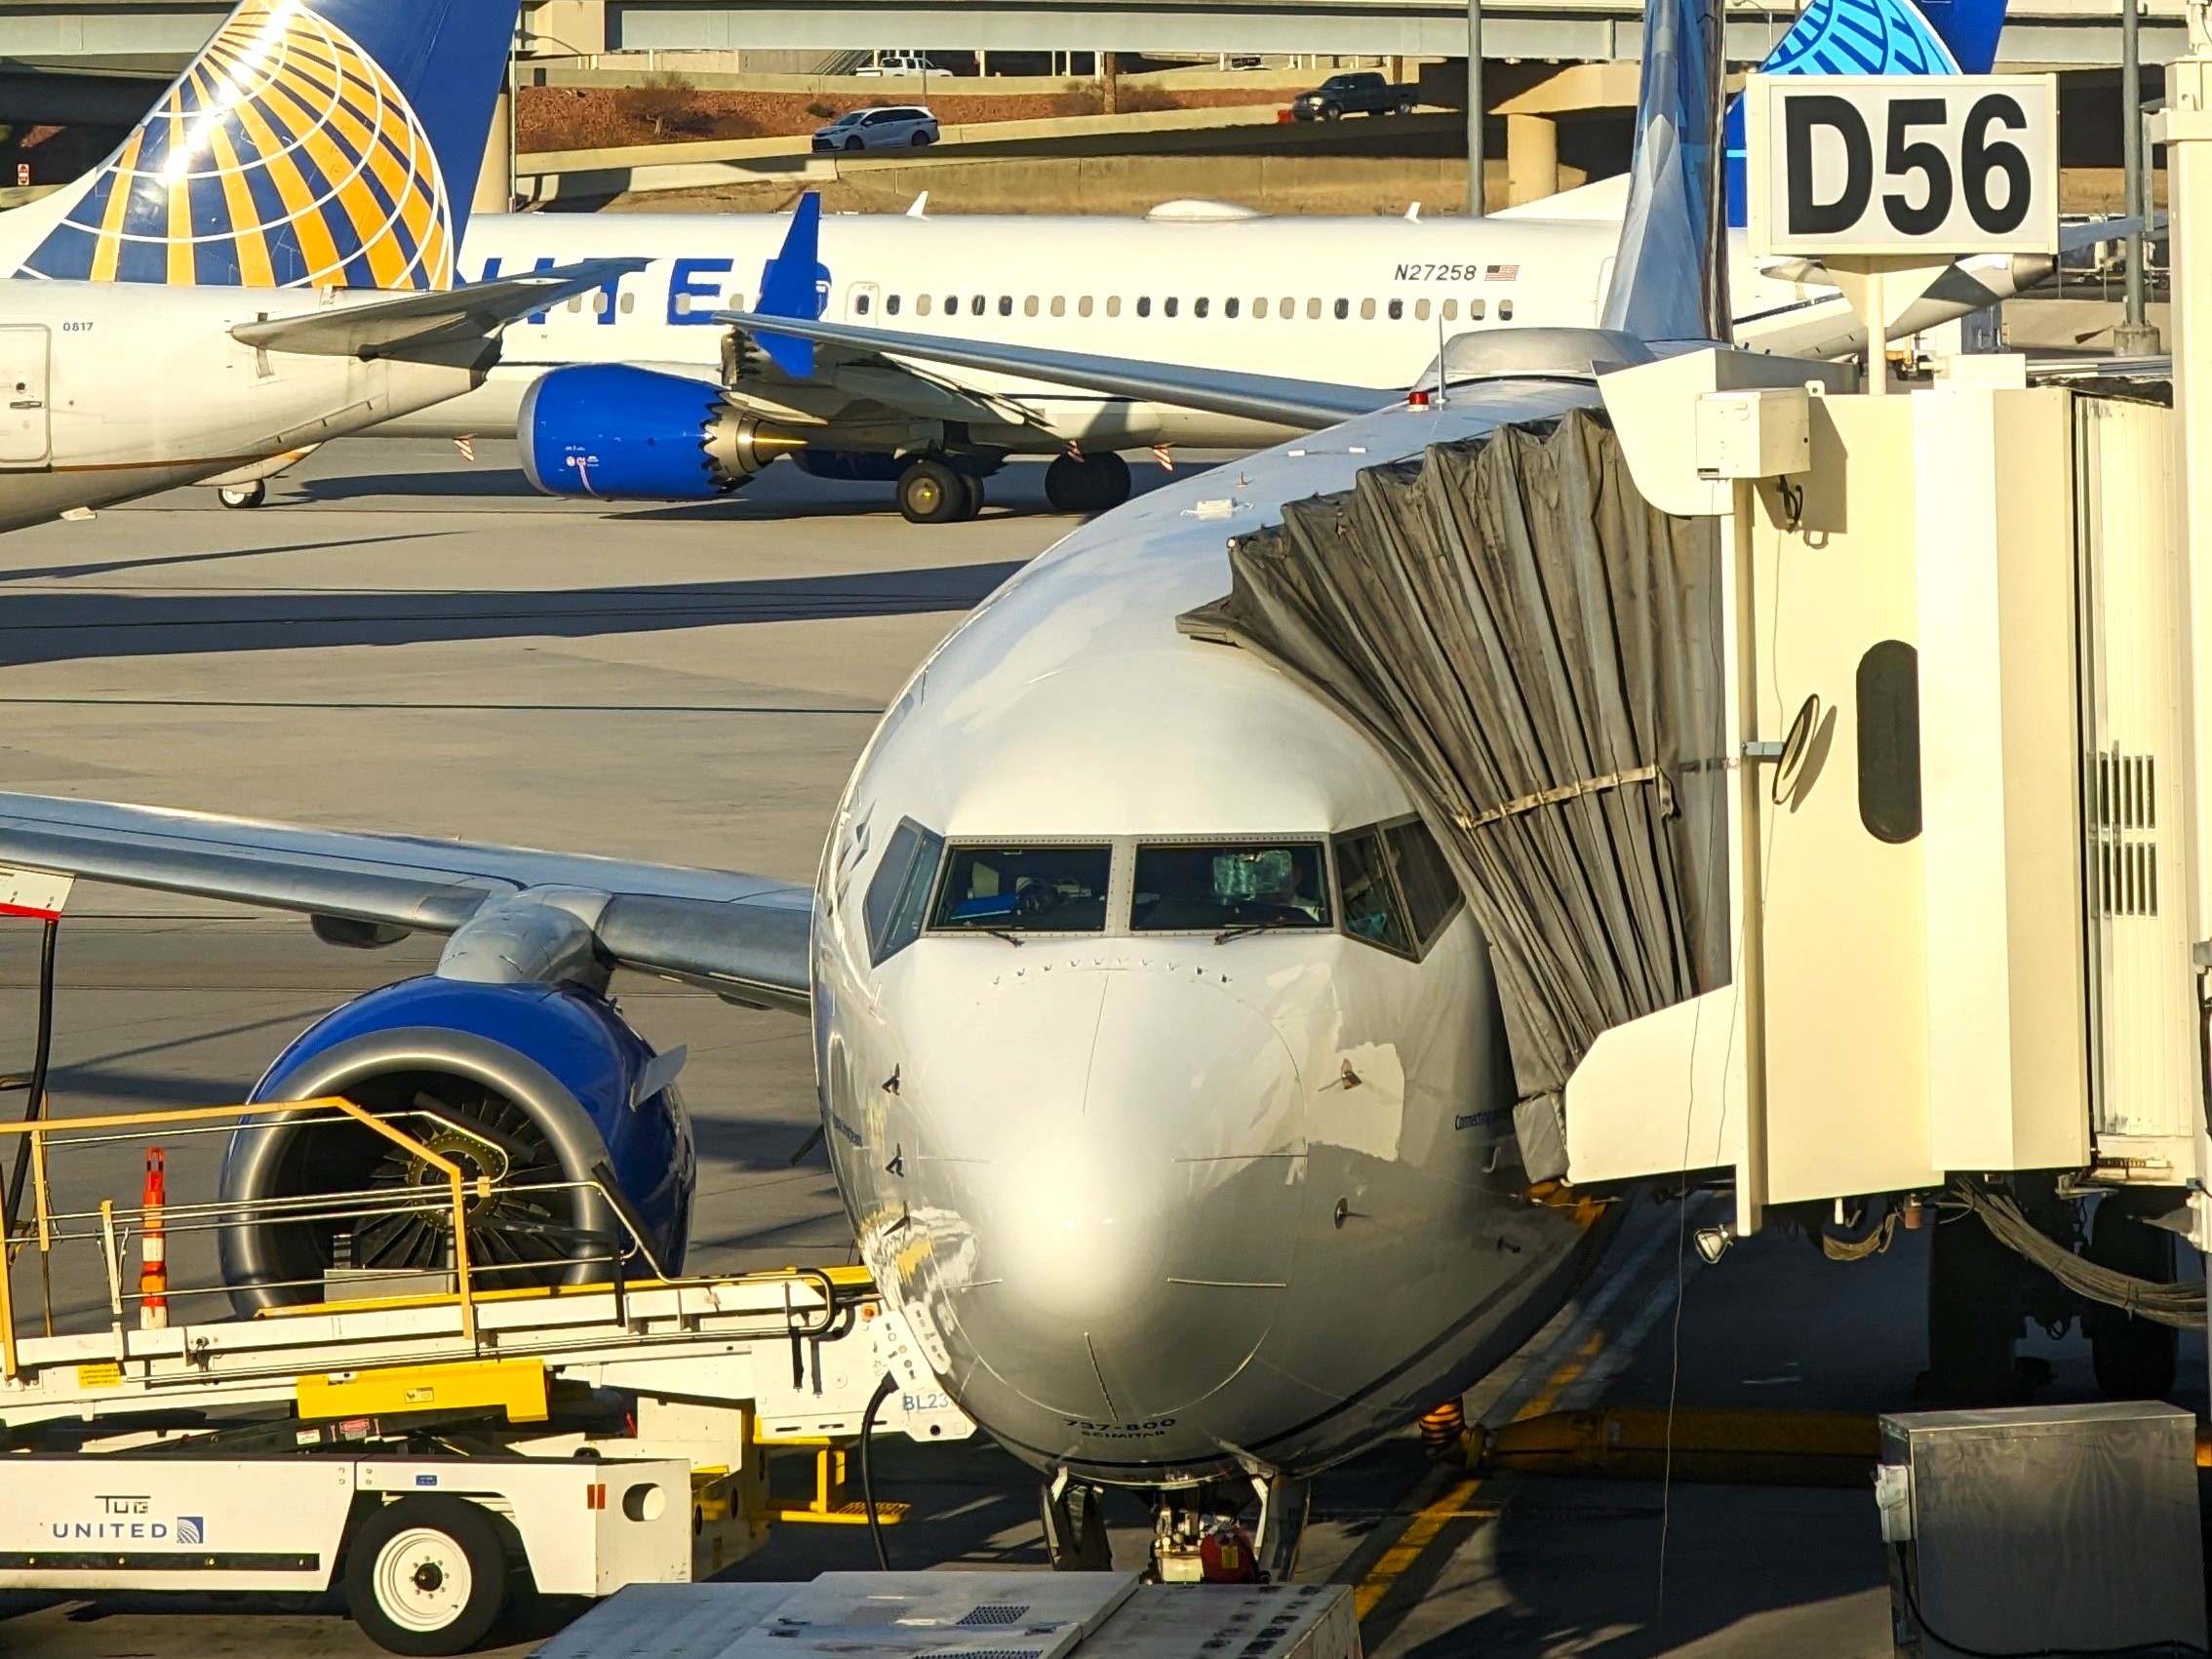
(142, 34)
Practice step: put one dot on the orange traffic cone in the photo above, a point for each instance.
(153, 1247)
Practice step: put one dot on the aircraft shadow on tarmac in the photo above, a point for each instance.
(60, 628)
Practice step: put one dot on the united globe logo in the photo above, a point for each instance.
(285, 156)
(1862, 37)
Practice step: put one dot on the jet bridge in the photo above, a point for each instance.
(1822, 771)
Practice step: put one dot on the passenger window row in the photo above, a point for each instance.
(1393, 887)
(1259, 309)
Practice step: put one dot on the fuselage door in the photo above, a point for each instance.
(863, 304)
(26, 438)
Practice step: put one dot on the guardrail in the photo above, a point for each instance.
(110, 1228)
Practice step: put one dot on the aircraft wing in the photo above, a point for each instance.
(419, 325)
(745, 936)
(1284, 401)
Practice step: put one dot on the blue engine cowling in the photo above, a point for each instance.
(536, 1085)
(610, 432)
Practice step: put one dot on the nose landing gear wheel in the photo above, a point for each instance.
(241, 496)
(933, 492)
(426, 1576)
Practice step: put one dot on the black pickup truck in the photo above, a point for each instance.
(1364, 93)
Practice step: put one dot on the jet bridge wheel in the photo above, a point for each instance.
(427, 1575)
(2134, 1358)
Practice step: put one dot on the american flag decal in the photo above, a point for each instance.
(1501, 273)
(468, 447)
(1166, 462)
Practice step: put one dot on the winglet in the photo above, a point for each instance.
(795, 284)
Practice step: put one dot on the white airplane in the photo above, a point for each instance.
(268, 263)
(635, 393)
(1107, 925)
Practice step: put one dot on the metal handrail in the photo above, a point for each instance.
(39, 1132)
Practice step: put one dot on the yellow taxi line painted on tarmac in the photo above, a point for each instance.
(1452, 1504)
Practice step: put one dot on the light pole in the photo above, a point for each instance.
(1475, 158)
(2135, 336)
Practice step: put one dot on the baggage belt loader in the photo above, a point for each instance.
(429, 1453)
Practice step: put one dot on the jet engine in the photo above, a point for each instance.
(540, 1087)
(610, 432)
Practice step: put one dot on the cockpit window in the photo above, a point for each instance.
(1372, 910)
(1424, 879)
(898, 894)
(1046, 889)
(1398, 889)
(1205, 888)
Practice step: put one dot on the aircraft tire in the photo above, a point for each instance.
(1110, 474)
(972, 507)
(241, 497)
(2134, 1358)
(931, 492)
(1065, 485)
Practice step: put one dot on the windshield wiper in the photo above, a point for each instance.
(1007, 934)
(1242, 930)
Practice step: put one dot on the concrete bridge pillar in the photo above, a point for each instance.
(1532, 158)
(495, 182)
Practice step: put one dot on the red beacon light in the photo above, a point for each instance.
(1417, 398)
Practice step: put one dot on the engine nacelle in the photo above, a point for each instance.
(610, 432)
(534, 1085)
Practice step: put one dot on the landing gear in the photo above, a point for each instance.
(243, 497)
(1075, 1526)
(2134, 1358)
(934, 490)
(1196, 1538)
(1090, 485)
(930, 492)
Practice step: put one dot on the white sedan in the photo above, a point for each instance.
(895, 127)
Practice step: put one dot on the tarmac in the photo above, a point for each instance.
(403, 640)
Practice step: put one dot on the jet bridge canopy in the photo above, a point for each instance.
(1540, 653)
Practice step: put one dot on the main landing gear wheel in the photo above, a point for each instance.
(935, 491)
(1090, 485)
(240, 496)
(426, 1576)
(2135, 1358)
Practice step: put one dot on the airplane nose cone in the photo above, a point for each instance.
(1134, 1233)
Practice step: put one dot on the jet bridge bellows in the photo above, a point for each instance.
(1540, 651)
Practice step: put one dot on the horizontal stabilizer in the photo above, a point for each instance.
(1302, 405)
(425, 326)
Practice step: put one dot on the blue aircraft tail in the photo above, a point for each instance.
(312, 143)
(796, 284)
(1671, 276)
(1874, 37)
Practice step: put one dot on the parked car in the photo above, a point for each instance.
(1361, 93)
(891, 127)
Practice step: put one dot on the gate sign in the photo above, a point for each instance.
(1936, 166)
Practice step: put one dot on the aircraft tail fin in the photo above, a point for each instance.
(1874, 37)
(312, 143)
(795, 284)
(1670, 277)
